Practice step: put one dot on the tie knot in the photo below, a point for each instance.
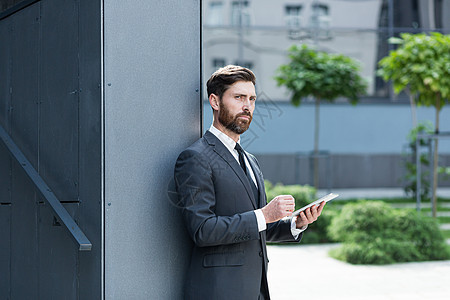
(238, 148)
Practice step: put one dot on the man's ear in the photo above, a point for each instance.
(214, 101)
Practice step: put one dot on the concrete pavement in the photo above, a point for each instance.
(307, 272)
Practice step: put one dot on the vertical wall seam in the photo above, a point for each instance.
(201, 68)
(102, 147)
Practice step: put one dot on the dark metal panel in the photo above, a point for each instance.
(152, 112)
(57, 256)
(24, 237)
(5, 101)
(5, 71)
(5, 176)
(24, 78)
(24, 81)
(5, 254)
(58, 93)
(90, 165)
(9, 7)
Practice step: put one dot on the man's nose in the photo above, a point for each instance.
(247, 103)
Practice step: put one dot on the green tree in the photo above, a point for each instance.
(421, 66)
(323, 76)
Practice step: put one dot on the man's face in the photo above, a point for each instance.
(237, 105)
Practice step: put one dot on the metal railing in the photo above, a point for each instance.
(60, 212)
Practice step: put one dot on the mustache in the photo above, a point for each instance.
(245, 113)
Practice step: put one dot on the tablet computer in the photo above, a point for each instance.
(325, 198)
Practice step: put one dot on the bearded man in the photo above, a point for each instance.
(221, 190)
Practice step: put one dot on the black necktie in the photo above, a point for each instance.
(246, 171)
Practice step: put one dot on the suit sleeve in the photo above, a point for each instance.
(280, 232)
(195, 188)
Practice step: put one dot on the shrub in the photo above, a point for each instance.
(361, 220)
(303, 195)
(317, 231)
(376, 252)
(374, 233)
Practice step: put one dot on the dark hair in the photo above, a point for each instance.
(223, 78)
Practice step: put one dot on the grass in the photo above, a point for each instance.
(388, 200)
(444, 220)
(446, 234)
(428, 209)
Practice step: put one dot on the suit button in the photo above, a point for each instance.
(260, 253)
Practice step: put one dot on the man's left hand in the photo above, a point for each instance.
(309, 215)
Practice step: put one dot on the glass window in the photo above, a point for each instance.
(214, 15)
(240, 13)
(320, 16)
(245, 63)
(293, 15)
(218, 63)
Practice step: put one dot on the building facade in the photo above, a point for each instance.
(257, 34)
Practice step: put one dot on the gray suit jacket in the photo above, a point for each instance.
(229, 258)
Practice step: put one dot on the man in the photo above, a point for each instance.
(221, 190)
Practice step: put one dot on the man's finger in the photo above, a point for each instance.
(308, 213)
(319, 208)
(285, 197)
(303, 216)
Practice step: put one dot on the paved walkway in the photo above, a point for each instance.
(307, 272)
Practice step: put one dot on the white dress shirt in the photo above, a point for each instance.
(229, 143)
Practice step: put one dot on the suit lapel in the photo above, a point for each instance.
(225, 154)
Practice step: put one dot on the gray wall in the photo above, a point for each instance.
(152, 112)
(340, 170)
(280, 127)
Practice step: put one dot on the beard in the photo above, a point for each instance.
(233, 123)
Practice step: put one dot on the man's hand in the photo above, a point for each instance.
(309, 215)
(281, 206)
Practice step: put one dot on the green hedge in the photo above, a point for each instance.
(374, 233)
(303, 195)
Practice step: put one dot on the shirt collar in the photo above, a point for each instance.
(225, 139)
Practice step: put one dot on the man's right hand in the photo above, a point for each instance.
(281, 206)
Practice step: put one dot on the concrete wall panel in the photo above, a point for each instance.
(152, 112)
